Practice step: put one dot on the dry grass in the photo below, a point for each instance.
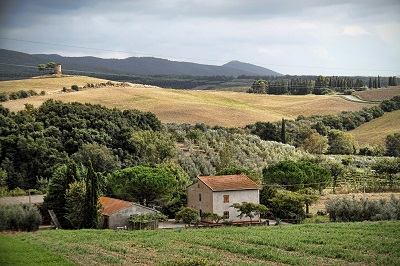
(375, 131)
(230, 109)
(47, 83)
(378, 94)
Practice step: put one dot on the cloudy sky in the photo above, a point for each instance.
(328, 37)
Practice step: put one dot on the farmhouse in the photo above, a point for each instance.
(115, 213)
(216, 194)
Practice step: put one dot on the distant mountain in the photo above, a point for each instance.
(14, 63)
(257, 70)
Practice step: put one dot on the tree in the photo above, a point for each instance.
(297, 175)
(75, 204)
(337, 170)
(101, 157)
(55, 198)
(42, 67)
(144, 184)
(179, 196)
(249, 209)
(91, 198)
(309, 197)
(392, 144)
(315, 143)
(388, 167)
(282, 203)
(341, 142)
(151, 148)
(187, 215)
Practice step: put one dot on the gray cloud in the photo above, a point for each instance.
(333, 35)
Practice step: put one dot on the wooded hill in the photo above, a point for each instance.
(13, 61)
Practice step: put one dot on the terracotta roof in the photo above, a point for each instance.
(111, 205)
(228, 182)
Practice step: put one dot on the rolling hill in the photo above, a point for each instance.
(375, 131)
(16, 64)
(229, 109)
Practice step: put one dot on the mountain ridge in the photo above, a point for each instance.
(130, 65)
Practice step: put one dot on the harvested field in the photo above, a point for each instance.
(375, 131)
(49, 83)
(378, 94)
(229, 109)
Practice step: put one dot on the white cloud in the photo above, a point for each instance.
(354, 31)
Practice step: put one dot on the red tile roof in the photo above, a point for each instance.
(228, 182)
(111, 205)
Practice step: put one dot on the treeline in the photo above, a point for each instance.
(319, 85)
(21, 94)
(326, 133)
(34, 141)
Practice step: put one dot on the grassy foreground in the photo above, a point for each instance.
(366, 243)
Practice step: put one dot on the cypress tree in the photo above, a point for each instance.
(283, 132)
(379, 81)
(92, 197)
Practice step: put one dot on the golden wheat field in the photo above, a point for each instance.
(229, 109)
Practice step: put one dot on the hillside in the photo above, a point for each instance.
(378, 94)
(375, 131)
(17, 64)
(251, 68)
(229, 109)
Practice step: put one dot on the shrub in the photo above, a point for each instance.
(17, 192)
(4, 97)
(19, 217)
(352, 210)
(75, 87)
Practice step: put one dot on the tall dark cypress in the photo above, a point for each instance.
(283, 131)
(92, 197)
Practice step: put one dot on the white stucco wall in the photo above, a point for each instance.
(234, 197)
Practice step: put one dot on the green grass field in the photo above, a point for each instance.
(366, 243)
(17, 251)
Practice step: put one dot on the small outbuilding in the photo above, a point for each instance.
(216, 194)
(115, 212)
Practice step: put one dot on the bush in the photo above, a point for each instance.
(20, 218)
(75, 87)
(346, 210)
(4, 97)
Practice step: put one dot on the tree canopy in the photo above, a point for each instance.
(144, 184)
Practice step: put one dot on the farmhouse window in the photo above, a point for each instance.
(199, 196)
(226, 215)
(226, 198)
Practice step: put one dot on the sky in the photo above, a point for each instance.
(308, 37)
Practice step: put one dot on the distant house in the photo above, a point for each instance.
(115, 212)
(216, 194)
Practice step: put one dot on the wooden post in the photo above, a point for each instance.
(55, 220)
